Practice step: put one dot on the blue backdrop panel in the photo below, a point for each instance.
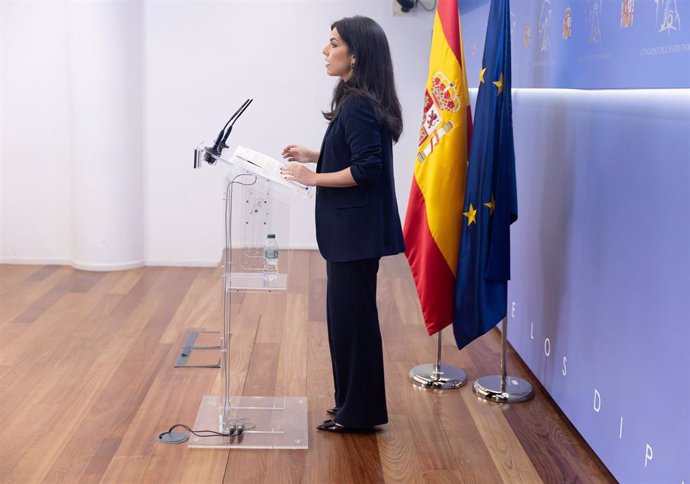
(599, 299)
(588, 44)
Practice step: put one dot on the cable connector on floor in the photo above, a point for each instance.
(236, 429)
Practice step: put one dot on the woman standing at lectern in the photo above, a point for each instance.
(357, 219)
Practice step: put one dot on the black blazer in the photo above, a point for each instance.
(360, 222)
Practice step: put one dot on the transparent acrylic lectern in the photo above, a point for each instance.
(257, 203)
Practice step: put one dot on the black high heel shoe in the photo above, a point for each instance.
(336, 428)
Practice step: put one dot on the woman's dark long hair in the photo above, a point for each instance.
(372, 76)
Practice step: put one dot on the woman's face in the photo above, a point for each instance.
(338, 58)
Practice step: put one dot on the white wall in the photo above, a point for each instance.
(105, 85)
(2, 71)
(34, 156)
(199, 61)
(71, 130)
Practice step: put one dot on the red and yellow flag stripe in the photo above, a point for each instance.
(434, 211)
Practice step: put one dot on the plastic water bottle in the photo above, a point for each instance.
(270, 259)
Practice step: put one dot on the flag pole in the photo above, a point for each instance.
(502, 388)
(438, 376)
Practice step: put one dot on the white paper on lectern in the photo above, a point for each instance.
(265, 166)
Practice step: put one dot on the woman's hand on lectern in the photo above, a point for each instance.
(300, 174)
(300, 154)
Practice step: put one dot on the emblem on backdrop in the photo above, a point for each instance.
(567, 23)
(544, 25)
(627, 12)
(526, 33)
(667, 16)
(593, 12)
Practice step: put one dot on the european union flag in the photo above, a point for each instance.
(491, 196)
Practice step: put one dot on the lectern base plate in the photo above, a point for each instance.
(270, 423)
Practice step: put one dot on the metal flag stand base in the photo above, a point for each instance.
(437, 376)
(502, 388)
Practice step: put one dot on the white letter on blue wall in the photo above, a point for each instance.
(564, 371)
(648, 454)
(597, 400)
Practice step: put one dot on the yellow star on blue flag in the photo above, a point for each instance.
(491, 205)
(471, 215)
(499, 84)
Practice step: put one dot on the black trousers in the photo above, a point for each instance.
(354, 338)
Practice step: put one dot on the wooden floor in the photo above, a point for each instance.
(87, 382)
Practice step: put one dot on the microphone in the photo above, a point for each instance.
(222, 137)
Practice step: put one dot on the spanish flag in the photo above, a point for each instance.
(434, 212)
